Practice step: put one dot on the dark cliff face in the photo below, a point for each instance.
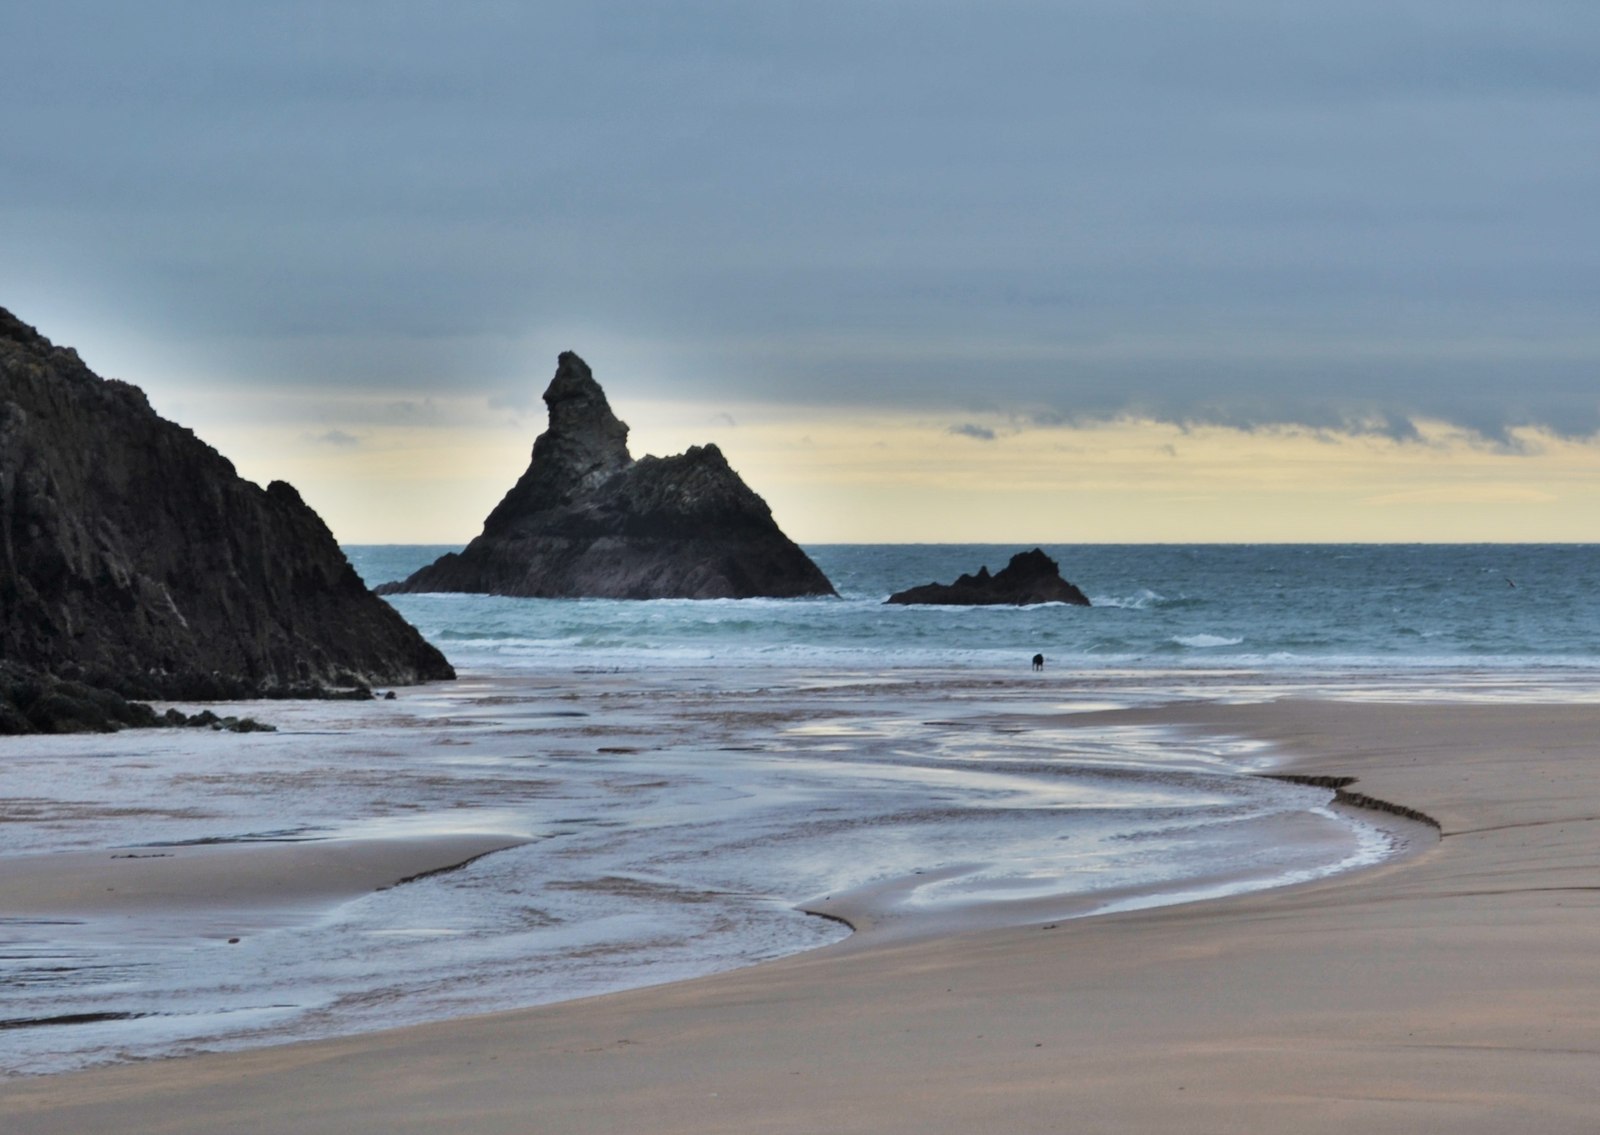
(1030, 577)
(586, 520)
(133, 557)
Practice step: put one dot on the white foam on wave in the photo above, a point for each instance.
(1205, 641)
(1138, 601)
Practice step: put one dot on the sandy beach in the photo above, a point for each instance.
(1452, 990)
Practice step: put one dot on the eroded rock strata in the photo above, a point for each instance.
(135, 561)
(1030, 577)
(587, 520)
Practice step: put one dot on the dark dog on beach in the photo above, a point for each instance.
(1038, 662)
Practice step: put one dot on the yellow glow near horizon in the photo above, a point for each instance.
(849, 477)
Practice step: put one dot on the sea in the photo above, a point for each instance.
(693, 786)
(1372, 609)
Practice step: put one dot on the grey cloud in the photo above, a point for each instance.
(522, 399)
(1081, 210)
(336, 438)
(969, 429)
(409, 410)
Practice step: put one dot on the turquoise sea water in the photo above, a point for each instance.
(1275, 607)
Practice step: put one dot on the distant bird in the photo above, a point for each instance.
(1509, 582)
(1038, 662)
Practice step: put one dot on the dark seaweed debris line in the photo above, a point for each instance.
(1342, 795)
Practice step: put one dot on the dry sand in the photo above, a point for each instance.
(1457, 990)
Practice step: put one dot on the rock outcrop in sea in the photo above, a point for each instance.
(1030, 577)
(588, 521)
(136, 563)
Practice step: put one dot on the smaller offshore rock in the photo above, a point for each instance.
(588, 521)
(1030, 577)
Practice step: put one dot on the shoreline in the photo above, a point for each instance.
(1452, 990)
(870, 916)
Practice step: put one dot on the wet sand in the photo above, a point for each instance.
(1455, 990)
(246, 880)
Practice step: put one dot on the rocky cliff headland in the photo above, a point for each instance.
(1030, 577)
(136, 563)
(587, 520)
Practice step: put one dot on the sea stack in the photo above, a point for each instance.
(1030, 577)
(588, 521)
(135, 560)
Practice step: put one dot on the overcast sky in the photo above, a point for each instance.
(1357, 215)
